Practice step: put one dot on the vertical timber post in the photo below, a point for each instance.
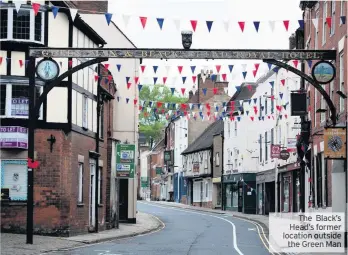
(97, 151)
(31, 150)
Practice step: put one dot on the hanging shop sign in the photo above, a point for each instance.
(158, 170)
(195, 168)
(182, 54)
(335, 143)
(323, 72)
(47, 69)
(298, 104)
(13, 137)
(275, 151)
(291, 146)
(284, 155)
(125, 164)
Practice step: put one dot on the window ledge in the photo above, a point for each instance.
(80, 205)
(100, 205)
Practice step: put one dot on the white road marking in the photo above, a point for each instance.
(234, 236)
(252, 229)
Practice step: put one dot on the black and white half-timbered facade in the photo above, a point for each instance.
(65, 137)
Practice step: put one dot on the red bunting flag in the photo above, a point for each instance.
(135, 101)
(163, 110)
(159, 104)
(207, 105)
(255, 109)
(143, 21)
(282, 81)
(286, 116)
(140, 107)
(142, 68)
(241, 25)
(254, 72)
(208, 113)
(286, 24)
(183, 106)
(328, 21)
(129, 85)
(215, 90)
(36, 8)
(194, 79)
(70, 62)
(295, 63)
(223, 76)
(250, 88)
(194, 24)
(110, 77)
(309, 108)
(257, 66)
(252, 118)
(21, 63)
(164, 80)
(272, 97)
(33, 164)
(218, 67)
(180, 69)
(231, 117)
(136, 79)
(269, 116)
(96, 77)
(183, 90)
(107, 66)
(0, 61)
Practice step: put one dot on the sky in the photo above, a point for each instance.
(218, 11)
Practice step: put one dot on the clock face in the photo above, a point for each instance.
(47, 70)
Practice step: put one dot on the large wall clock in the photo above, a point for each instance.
(47, 69)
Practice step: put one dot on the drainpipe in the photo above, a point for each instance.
(222, 172)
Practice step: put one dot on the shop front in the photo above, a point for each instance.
(265, 182)
(240, 192)
(290, 187)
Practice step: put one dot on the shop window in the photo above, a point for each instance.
(14, 176)
(234, 195)
(16, 97)
(217, 159)
(21, 26)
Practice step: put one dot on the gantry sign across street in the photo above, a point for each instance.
(48, 70)
(182, 54)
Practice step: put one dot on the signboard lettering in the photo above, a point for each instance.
(125, 154)
(284, 155)
(275, 151)
(13, 137)
(183, 54)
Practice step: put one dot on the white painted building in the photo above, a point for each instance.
(144, 174)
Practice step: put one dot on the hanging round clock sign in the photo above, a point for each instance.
(47, 69)
(323, 72)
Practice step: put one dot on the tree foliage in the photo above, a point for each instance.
(153, 123)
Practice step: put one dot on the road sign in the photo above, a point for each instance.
(125, 154)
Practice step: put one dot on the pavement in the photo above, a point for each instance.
(14, 244)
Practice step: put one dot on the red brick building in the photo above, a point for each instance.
(156, 169)
(325, 28)
(65, 137)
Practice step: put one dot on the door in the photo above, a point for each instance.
(92, 193)
(123, 196)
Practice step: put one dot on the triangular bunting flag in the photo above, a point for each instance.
(204, 91)
(209, 25)
(238, 88)
(276, 69)
(343, 20)
(194, 25)
(36, 8)
(193, 68)
(96, 77)
(282, 81)
(55, 10)
(180, 69)
(136, 79)
(106, 66)
(241, 25)
(142, 68)
(257, 66)
(286, 24)
(73, 13)
(177, 24)
(160, 89)
(281, 95)
(135, 101)
(272, 83)
(301, 23)
(254, 72)
(218, 67)
(255, 100)
(257, 25)
(17, 5)
(118, 66)
(271, 24)
(269, 66)
(143, 21)
(215, 90)
(125, 20)
(108, 17)
(244, 67)
(295, 63)
(194, 79)
(309, 62)
(172, 90)
(244, 74)
(168, 69)
(183, 91)
(21, 63)
(154, 80)
(224, 76)
(315, 23)
(230, 67)
(164, 80)
(183, 80)
(155, 69)
(140, 87)
(127, 100)
(160, 22)
(328, 21)
(127, 79)
(226, 25)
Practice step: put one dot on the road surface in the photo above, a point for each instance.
(186, 232)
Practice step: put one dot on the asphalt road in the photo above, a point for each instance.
(185, 232)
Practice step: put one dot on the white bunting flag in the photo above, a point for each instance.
(160, 89)
(125, 20)
(148, 109)
(18, 5)
(151, 88)
(226, 25)
(168, 69)
(177, 24)
(190, 105)
(73, 13)
(226, 90)
(216, 113)
(244, 67)
(315, 23)
(204, 77)
(170, 112)
(271, 25)
(225, 108)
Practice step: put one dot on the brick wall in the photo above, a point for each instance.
(217, 148)
(204, 204)
(332, 42)
(91, 6)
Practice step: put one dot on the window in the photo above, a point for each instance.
(15, 100)
(322, 106)
(217, 159)
(266, 106)
(272, 136)
(266, 146)
(341, 85)
(22, 26)
(317, 31)
(260, 148)
(14, 176)
(100, 186)
(80, 184)
(315, 106)
(3, 24)
(341, 12)
(333, 17)
(324, 23)
(84, 112)
(101, 122)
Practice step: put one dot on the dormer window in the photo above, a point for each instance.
(21, 26)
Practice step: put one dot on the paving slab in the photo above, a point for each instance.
(15, 244)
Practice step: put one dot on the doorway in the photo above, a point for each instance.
(92, 193)
(123, 200)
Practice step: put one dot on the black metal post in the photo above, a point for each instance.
(97, 151)
(222, 173)
(31, 150)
